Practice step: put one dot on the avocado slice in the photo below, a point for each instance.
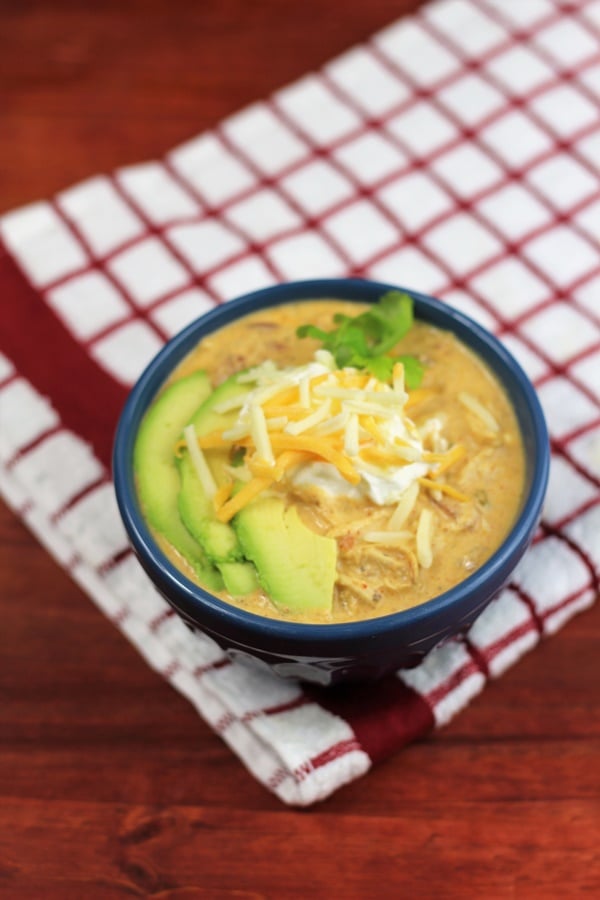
(296, 566)
(218, 539)
(156, 472)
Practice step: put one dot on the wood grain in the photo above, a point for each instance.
(110, 784)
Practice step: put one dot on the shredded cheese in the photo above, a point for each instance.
(424, 536)
(435, 486)
(286, 460)
(231, 436)
(260, 434)
(365, 408)
(230, 404)
(445, 460)
(391, 538)
(238, 473)
(199, 463)
(290, 411)
(265, 370)
(479, 411)
(222, 494)
(281, 395)
(277, 423)
(262, 394)
(315, 418)
(360, 395)
(404, 508)
(393, 456)
(318, 447)
(398, 380)
(337, 424)
(346, 418)
(431, 432)
(304, 389)
(325, 358)
(351, 445)
(419, 395)
(247, 493)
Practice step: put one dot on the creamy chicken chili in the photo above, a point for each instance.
(463, 462)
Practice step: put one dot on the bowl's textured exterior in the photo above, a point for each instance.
(328, 654)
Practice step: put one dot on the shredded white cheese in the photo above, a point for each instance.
(199, 462)
(391, 538)
(405, 507)
(325, 358)
(410, 454)
(377, 399)
(239, 431)
(315, 418)
(265, 370)
(424, 534)
(342, 417)
(479, 410)
(267, 391)
(238, 473)
(231, 403)
(276, 423)
(398, 378)
(337, 423)
(372, 409)
(351, 445)
(260, 434)
(431, 433)
(304, 390)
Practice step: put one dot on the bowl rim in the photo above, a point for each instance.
(196, 597)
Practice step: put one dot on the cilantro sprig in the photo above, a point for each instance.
(364, 341)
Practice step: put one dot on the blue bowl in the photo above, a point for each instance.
(355, 651)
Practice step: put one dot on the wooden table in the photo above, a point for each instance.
(110, 784)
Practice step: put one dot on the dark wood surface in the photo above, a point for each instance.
(110, 784)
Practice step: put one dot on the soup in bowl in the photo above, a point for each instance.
(330, 477)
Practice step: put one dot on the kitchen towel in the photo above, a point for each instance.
(456, 152)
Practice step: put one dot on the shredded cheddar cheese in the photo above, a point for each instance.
(419, 395)
(446, 459)
(309, 421)
(222, 494)
(443, 489)
(344, 418)
(247, 493)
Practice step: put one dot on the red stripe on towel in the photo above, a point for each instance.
(327, 756)
(382, 720)
(87, 400)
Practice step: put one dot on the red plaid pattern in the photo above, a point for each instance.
(456, 152)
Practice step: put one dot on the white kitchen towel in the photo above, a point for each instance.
(457, 152)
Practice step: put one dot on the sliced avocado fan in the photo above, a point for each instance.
(218, 539)
(157, 478)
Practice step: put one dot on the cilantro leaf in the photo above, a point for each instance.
(413, 371)
(236, 457)
(364, 341)
(381, 367)
(313, 332)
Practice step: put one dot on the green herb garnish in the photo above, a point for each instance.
(237, 456)
(363, 341)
